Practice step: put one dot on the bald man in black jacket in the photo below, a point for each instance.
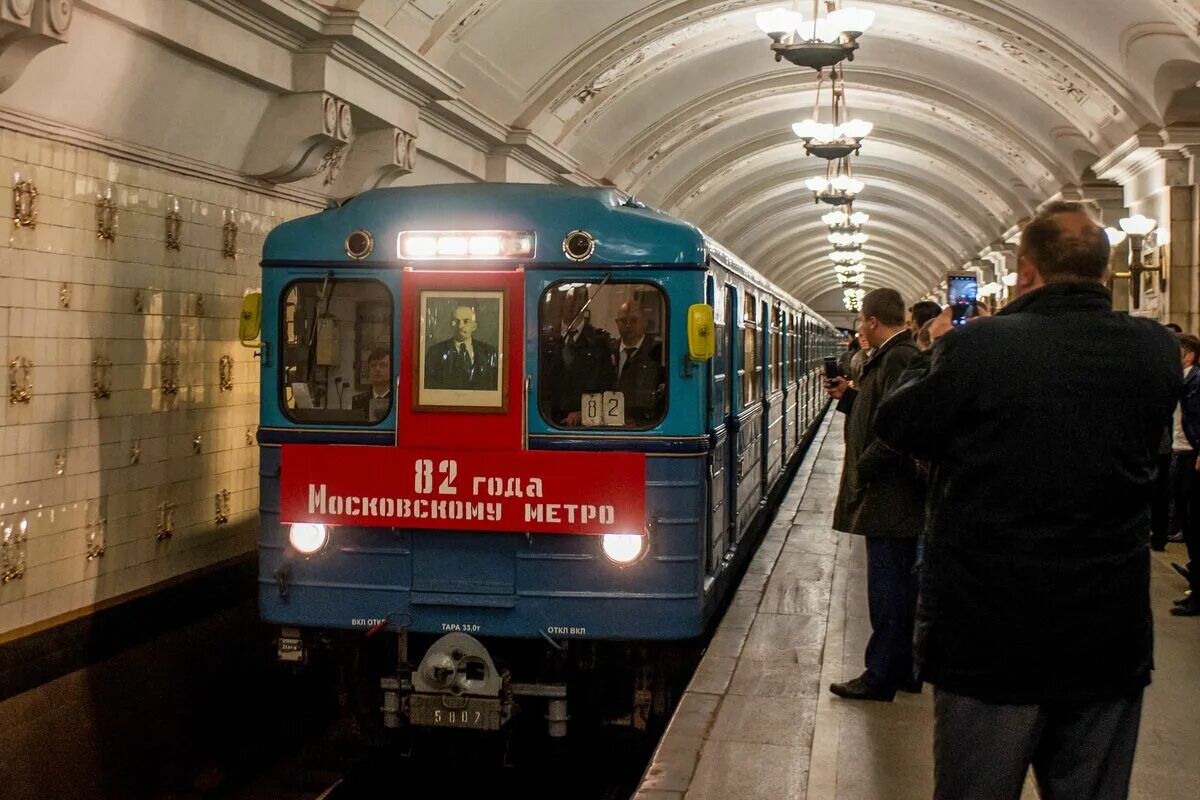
(1042, 426)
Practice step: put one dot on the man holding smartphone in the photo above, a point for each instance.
(881, 497)
(1042, 425)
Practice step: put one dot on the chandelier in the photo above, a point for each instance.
(847, 256)
(838, 189)
(842, 136)
(853, 298)
(848, 241)
(850, 278)
(847, 221)
(820, 43)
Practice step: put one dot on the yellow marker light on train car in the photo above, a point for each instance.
(308, 537)
(623, 548)
(465, 245)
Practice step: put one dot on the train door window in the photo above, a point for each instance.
(336, 357)
(751, 368)
(603, 355)
(776, 378)
(722, 395)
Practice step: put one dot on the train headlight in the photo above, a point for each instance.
(308, 537)
(623, 548)
(466, 245)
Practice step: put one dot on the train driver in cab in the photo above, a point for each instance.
(376, 401)
(640, 371)
(577, 359)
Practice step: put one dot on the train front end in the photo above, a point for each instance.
(483, 451)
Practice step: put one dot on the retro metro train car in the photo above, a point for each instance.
(506, 320)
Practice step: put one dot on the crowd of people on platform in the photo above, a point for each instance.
(1010, 476)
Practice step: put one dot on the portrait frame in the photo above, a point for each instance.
(430, 331)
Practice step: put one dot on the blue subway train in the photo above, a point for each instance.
(638, 334)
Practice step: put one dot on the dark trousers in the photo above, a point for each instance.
(1182, 468)
(892, 600)
(1191, 528)
(1160, 507)
(983, 751)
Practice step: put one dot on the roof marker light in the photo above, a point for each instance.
(465, 245)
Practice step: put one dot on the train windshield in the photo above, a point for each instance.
(603, 355)
(337, 351)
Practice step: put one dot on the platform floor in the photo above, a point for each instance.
(758, 721)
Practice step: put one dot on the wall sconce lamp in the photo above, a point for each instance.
(1140, 231)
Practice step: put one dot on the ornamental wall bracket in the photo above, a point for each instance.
(226, 373)
(299, 135)
(20, 381)
(95, 539)
(107, 215)
(27, 27)
(13, 537)
(101, 378)
(222, 507)
(166, 521)
(229, 233)
(377, 158)
(25, 201)
(174, 225)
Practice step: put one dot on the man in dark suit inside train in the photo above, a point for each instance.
(576, 359)
(462, 361)
(376, 401)
(640, 372)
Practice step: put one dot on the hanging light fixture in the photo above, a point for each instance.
(847, 256)
(853, 298)
(847, 221)
(850, 278)
(837, 189)
(818, 43)
(846, 241)
(841, 136)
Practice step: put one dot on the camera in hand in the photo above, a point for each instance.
(962, 294)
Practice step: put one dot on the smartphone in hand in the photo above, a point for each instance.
(832, 370)
(962, 293)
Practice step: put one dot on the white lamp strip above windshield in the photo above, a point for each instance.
(465, 245)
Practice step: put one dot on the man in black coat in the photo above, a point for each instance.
(576, 359)
(1042, 425)
(375, 403)
(462, 361)
(641, 376)
(882, 498)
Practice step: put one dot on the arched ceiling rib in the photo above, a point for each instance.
(983, 108)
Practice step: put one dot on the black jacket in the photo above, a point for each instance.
(1042, 425)
(445, 368)
(642, 381)
(1191, 407)
(570, 370)
(881, 493)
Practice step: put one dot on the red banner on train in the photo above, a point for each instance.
(519, 491)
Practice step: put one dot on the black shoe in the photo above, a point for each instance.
(912, 687)
(1182, 570)
(859, 689)
(1189, 609)
(1175, 538)
(1158, 548)
(1186, 597)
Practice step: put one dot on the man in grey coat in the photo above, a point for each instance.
(882, 497)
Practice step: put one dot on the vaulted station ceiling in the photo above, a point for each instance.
(982, 110)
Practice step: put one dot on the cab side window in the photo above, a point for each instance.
(336, 354)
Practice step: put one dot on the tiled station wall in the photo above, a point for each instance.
(68, 297)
